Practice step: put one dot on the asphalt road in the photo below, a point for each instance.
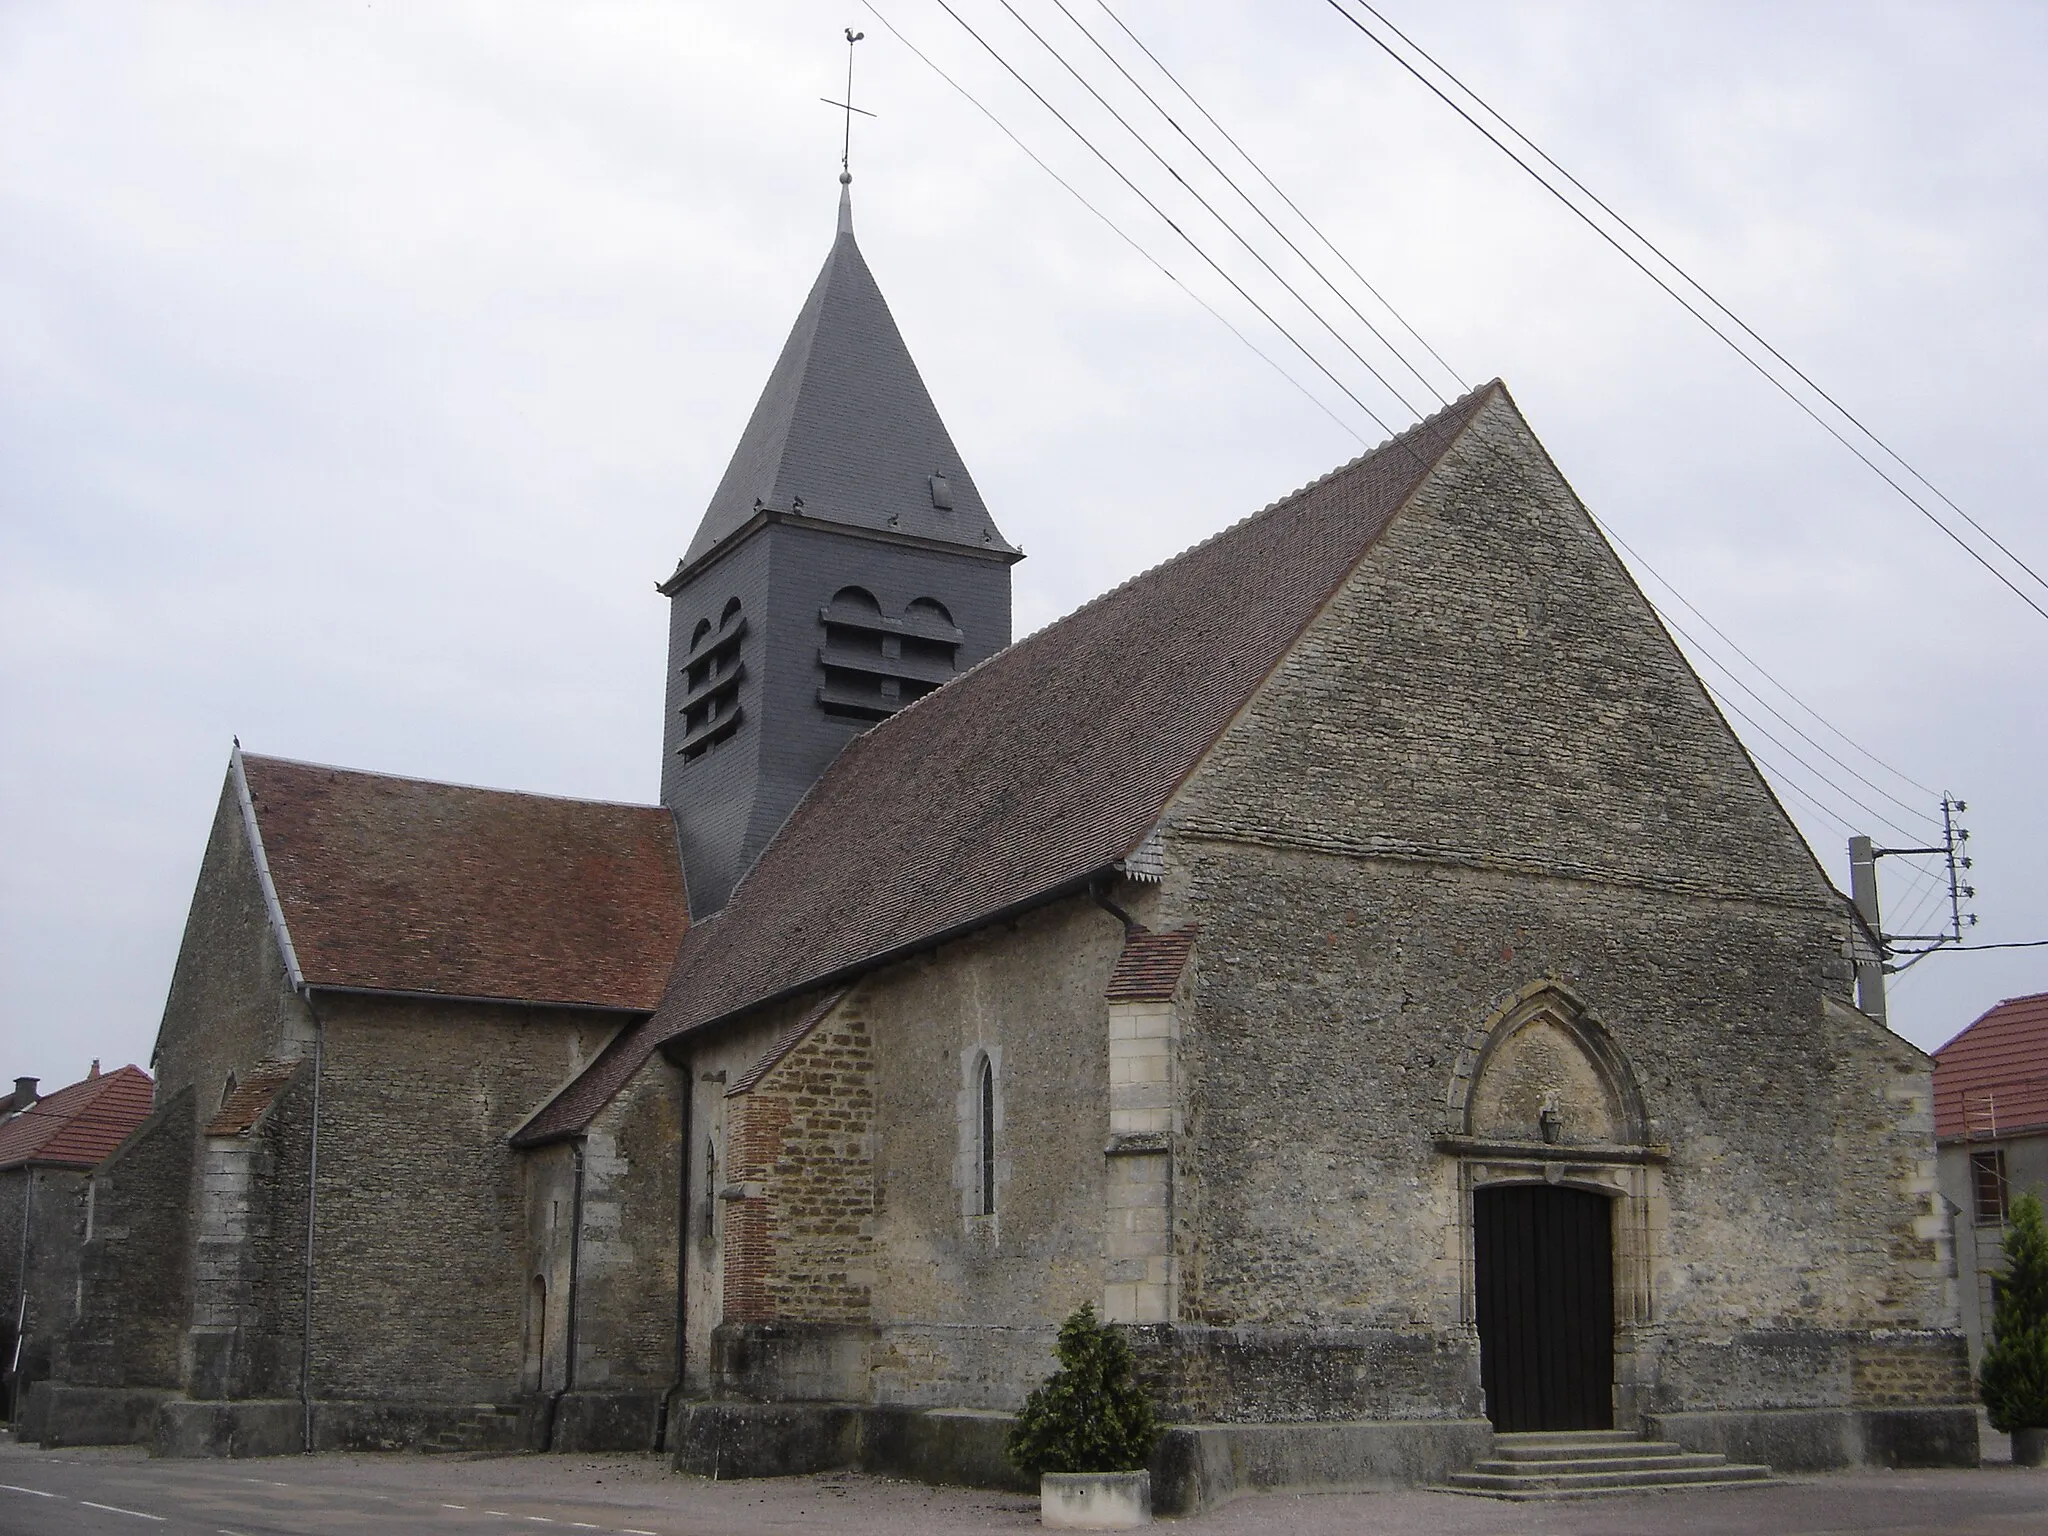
(71, 1493)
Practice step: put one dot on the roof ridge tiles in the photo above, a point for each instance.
(1465, 401)
(481, 789)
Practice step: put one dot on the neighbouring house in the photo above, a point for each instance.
(1991, 1116)
(1355, 955)
(49, 1145)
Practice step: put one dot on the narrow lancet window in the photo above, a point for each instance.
(987, 1169)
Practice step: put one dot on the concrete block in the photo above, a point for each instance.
(1095, 1501)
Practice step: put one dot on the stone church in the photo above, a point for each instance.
(1355, 955)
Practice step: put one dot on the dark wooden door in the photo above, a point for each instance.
(1544, 1272)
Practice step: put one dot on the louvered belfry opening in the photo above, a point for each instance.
(712, 673)
(1543, 1262)
(875, 663)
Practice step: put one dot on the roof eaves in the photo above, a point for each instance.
(326, 989)
(280, 930)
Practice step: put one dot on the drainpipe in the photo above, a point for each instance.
(575, 1266)
(312, 1206)
(28, 1205)
(1100, 891)
(682, 1259)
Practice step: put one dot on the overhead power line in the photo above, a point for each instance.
(1209, 208)
(1231, 182)
(1113, 227)
(1693, 283)
(1246, 156)
(1692, 309)
(1830, 798)
(1165, 218)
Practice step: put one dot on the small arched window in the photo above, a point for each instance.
(985, 1141)
(732, 611)
(697, 635)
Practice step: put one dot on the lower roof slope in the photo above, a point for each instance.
(403, 885)
(76, 1127)
(1050, 761)
(1993, 1077)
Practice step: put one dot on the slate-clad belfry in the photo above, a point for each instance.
(1355, 956)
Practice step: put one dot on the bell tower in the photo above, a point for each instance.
(845, 567)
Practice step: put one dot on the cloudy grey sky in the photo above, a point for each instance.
(363, 366)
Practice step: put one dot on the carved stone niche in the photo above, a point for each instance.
(1542, 1073)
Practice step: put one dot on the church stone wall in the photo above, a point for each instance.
(230, 1004)
(802, 1231)
(421, 1238)
(1484, 766)
(248, 1287)
(966, 1305)
(134, 1283)
(884, 1283)
(44, 1209)
(626, 1262)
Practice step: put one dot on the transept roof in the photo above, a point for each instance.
(389, 884)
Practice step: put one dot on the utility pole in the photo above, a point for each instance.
(1863, 857)
(1863, 892)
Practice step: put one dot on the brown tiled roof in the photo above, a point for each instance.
(1149, 968)
(403, 885)
(570, 1110)
(79, 1125)
(251, 1097)
(1994, 1075)
(1049, 762)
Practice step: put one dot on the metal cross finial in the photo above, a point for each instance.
(847, 106)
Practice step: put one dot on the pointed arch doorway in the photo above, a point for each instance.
(1561, 1188)
(1543, 1271)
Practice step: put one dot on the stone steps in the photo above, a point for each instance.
(1596, 1464)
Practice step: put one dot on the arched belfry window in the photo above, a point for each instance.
(875, 663)
(712, 673)
(985, 1119)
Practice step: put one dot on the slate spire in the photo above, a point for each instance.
(846, 432)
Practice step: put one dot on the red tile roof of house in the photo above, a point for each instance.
(252, 1095)
(1994, 1075)
(77, 1126)
(1149, 968)
(404, 885)
(1034, 772)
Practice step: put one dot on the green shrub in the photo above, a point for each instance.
(2014, 1379)
(1089, 1416)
